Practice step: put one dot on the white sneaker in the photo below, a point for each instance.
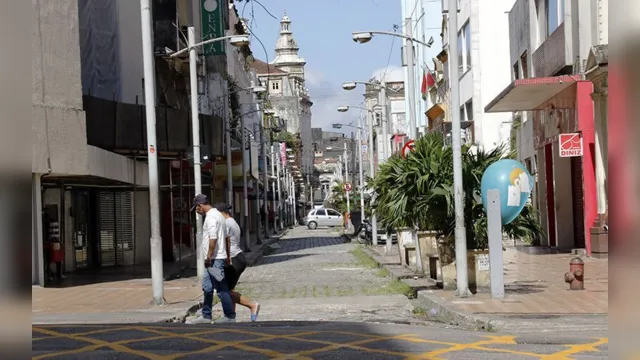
(199, 320)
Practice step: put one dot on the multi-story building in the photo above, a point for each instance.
(483, 54)
(329, 148)
(416, 13)
(90, 174)
(557, 46)
(288, 98)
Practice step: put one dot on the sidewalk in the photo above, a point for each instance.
(123, 295)
(537, 298)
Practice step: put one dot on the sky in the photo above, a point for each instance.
(323, 30)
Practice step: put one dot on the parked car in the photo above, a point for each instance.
(322, 217)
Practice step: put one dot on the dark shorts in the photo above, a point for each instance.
(233, 272)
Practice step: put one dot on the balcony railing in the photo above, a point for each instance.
(121, 127)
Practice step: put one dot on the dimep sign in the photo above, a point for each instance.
(570, 145)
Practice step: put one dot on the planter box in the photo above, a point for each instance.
(477, 265)
(429, 249)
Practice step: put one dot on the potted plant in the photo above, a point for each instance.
(474, 164)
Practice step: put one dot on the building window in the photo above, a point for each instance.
(275, 85)
(464, 48)
(466, 111)
(524, 63)
(554, 15)
(516, 71)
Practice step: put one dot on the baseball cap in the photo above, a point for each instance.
(199, 199)
(223, 207)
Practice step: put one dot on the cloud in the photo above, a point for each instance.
(393, 73)
(326, 97)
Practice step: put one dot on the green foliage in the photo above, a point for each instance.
(288, 138)
(418, 192)
(339, 199)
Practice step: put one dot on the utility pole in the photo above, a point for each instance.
(195, 134)
(372, 170)
(273, 188)
(411, 79)
(346, 180)
(384, 120)
(462, 279)
(278, 165)
(227, 137)
(157, 281)
(245, 190)
(361, 180)
(265, 181)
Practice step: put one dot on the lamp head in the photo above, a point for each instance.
(349, 85)
(343, 108)
(239, 41)
(362, 37)
(337, 126)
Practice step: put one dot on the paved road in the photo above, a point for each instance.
(314, 277)
(299, 341)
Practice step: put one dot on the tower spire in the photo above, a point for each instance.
(286, 46)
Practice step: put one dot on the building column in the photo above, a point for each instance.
(584, 112)
(37, 251)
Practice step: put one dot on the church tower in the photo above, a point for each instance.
(287, 58)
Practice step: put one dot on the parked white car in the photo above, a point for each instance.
(322, 217)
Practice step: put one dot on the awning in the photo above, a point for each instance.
(435, 111)
(529, 94)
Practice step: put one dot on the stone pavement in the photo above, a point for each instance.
(537, 298)
(302, 340)
(314, 275)
(120, 295)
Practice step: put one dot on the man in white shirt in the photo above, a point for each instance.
(238, 261)
(214, 234)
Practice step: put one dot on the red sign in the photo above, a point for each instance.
(408, 147)
(152, 149)
(570, 145)
(347, 187)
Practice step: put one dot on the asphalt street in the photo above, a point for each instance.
(299, 340)
(319, 300)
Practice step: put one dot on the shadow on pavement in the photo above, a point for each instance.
(308, 340)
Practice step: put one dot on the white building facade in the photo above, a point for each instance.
(416, 13)
(483, 59)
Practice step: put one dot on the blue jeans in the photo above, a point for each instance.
(208, 284)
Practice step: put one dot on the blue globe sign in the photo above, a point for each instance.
(513, 181)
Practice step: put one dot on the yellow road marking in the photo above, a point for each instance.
(163, 332)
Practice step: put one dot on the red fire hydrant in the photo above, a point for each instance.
(575, 276)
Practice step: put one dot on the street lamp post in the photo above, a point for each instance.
(346, 180)
(360, 169)
(150, 107)
(235, 40)
(374, 222)
(462, 279)
(366, 36)
(273, 188)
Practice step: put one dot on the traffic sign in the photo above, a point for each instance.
(570, 145)
(347, 186)
(408, 147)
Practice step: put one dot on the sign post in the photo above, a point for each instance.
(407, 148)
(494, 232)
(570, 145)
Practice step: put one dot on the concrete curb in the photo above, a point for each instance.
(437, 310)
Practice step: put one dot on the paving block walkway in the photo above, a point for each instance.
(534, 286)
(120, 295)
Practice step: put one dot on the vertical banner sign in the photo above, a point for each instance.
(213, 26)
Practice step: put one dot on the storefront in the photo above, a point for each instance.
(566, 180)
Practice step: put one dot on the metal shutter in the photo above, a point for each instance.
(116, 227)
